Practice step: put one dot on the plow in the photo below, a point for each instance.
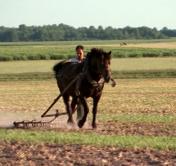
(33, 123)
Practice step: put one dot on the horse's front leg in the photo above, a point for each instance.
(94, 110)
(86, 110)
(73, 104)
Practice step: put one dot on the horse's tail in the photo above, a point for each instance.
(57, 67)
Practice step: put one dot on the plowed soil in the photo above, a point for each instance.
(29, 99)
(16, 153)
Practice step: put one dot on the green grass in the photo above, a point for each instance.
(61, 50)
(141, 118)
(166, 143)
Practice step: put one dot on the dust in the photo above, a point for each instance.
(7, 118)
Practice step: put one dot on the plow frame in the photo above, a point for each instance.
(34, 123)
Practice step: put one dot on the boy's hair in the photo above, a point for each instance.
(79, 47)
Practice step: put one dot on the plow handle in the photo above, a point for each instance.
(61, 94)
(55, 100)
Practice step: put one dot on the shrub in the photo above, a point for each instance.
(33, 57)
(134, 55)
(5, 58)
(43, 57)
(150, 54)
(56, 56)
(17, 57)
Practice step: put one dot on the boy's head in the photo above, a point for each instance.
(80, 52)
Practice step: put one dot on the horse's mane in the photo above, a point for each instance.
(98, 52)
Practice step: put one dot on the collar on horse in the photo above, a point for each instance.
(95, 84)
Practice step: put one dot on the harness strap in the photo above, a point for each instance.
(93, 82)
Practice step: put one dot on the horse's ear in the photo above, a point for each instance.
(88, 57)
(109, 53)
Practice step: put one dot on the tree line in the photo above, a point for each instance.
(63, 32)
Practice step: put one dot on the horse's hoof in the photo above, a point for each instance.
(70, 121)
(73, 111)
(94, 126)
(80, 124)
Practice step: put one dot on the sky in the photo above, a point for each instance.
(85, 13)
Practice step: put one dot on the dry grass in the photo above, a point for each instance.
(129, 96)
(168, 45)
(125, 64)
(135, 108)
(140, 96)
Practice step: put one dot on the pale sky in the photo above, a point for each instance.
(79, 13)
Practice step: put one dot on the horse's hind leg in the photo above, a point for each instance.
(68, 108)
(86, 110)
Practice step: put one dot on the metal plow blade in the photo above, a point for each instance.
(35, 123)
(31, 124)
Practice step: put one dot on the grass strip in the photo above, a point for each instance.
(27, 76)
(60, 50)
(164, 142)
(145, 74)
(141, 118)
(116, 74)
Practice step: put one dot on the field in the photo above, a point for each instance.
(121, 68)
(61, 50)
(136, 119)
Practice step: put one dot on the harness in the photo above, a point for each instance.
(97, 85)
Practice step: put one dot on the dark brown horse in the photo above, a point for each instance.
(90, 78)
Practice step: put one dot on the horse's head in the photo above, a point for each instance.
(99, 64)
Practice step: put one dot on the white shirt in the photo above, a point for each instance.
(74, 60)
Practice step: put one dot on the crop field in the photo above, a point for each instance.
(136, 120)
(121, 68)
(137, 117)
(61, 50)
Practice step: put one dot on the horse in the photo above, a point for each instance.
(87, 79)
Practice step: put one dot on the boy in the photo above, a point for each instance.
(79, 54)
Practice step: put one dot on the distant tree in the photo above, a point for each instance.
(168, 32)
(92, 32)
(100, 33)
(109, 33)
(82, 33)
(63, 32)
(10, 35)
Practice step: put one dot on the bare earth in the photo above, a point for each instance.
(153, 96)
(16, 153)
